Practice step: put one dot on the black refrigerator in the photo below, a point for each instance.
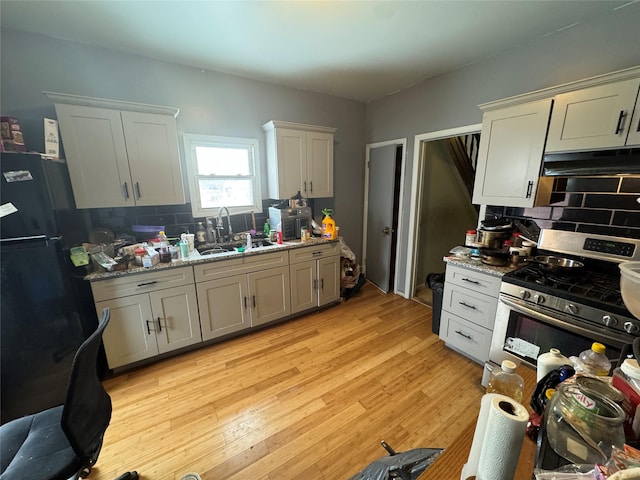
(44, 310)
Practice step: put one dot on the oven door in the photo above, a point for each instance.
(523, 333)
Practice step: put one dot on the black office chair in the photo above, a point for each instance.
(62, 442)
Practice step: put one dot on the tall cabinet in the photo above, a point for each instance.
(299, 159)
(120, 154)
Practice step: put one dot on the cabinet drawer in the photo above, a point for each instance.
(313, 252)
(476, 307)
(239, 265)
(141, 283)
(466, 337)
(472, 280)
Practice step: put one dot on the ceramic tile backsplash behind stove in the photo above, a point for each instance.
(598, 205)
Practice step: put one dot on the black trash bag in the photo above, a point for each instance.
(435, 281)
(407, 465)
(348, 292)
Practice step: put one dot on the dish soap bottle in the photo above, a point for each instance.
(200, 234)
(328, 225)
(506, 381)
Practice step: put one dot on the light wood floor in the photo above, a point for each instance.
(307, 399)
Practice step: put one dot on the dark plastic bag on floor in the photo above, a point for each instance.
(407, 465)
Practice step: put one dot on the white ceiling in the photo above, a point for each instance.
(361, 50)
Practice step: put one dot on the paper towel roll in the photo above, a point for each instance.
(497, 439)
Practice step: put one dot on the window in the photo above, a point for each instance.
(222, 172)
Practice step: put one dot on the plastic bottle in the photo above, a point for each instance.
(470, 238)
(200, 233)
(506, 381)
(209, 234)
(595, 360)
(550, 361)
(328, 225)
(162, 239)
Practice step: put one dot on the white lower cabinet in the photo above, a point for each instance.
(315, 277)
(232, 300)
(146, 324)
(469, 303)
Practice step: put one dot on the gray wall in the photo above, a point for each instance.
(448, 101)
(209, 103)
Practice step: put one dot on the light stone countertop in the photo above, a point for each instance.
(195, 258)
(476, 264)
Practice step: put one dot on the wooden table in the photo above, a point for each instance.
(449, 465)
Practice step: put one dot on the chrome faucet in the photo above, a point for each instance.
(220, 225)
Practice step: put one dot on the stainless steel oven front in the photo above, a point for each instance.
(522, 332)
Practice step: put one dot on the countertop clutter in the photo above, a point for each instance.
(196, 258)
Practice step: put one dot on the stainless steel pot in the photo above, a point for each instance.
(491, 238)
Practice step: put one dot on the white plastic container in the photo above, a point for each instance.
(549, 361)
(626, 378)
(506, 381)
(595, 360)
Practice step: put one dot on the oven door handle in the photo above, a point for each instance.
(613, 340)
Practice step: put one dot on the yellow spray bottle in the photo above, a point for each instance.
(328, 225)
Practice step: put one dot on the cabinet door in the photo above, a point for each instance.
(510, 154)
(596, 117)
(223, 305)
(154, 162)
(175, 317)
(291, 148)
(304, 293)
(319, 166)
(328, 280)
(270, 297)
(96, 156)
(130, 335)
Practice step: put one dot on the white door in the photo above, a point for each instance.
(303, 286)
(319, 165)
(224, 306)
(328, 280)
(269, 295)
(130, 335)
(380, 229)
(175, 316)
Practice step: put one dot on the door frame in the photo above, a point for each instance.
(417, 192)
(402, 143)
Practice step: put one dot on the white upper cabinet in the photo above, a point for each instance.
(603, 116)
(119, 158)
(299, 159)
(510, 154)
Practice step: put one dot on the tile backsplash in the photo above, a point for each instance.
(598, 205)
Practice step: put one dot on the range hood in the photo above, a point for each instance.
(604, 162)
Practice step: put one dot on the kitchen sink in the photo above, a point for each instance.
(212, 249)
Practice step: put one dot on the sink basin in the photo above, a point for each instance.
(630, 286)
(210, 249)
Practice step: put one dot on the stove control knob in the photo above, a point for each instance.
(631, 327)
(538, 299)
(610, 321)
(571, 308)
(524, 294)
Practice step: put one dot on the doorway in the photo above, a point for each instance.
(441, 210)
(382, 205)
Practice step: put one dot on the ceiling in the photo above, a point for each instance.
(360, 50)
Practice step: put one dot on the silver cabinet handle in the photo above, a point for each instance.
(464, 304)
(159, 325)
(138, 189)
(144, 284)
(475, 282)
(468, 337)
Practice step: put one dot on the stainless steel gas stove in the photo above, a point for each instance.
(542, 307)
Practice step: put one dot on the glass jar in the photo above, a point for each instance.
(583, 425)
